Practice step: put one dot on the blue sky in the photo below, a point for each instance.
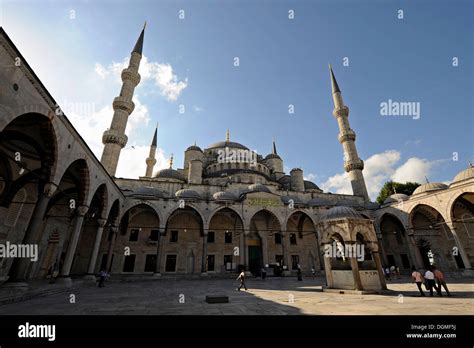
(191, 62)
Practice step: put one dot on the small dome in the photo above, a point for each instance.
(464, 175)
(397, 197)
(224, 196)
(430, 187)
(258, 188)
(309, 185)
(230, 144)
(340, 213)
(296, 200)
(319, 202)
(194, 148)
(169, 173)
(273, 155)
(187, 194)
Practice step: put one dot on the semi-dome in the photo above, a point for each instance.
(258, 188)
(319, 202)
(230, 144)
(397, 197)
(464, 175)
(169, 173)
(187, 194)
(309, 185)
(224, 196)
(430, 187)
(194, 148)
(296, 200)
(146, 191)
(340, 213)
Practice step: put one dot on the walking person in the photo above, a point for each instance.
(439, 278)
(418, 279)
(102, 277)
(264, 273)
(429, 276)
(299, 274)
(313, 272)
(241, 277)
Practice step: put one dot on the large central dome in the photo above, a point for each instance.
(229, 144)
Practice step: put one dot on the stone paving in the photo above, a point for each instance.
(273, 296)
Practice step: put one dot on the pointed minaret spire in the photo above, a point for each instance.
(153, 142)
(171, 161)
(335, 86)
(470, 164)
(114, 138)
(352, 164)
(227, 136)
(151, 161)
(274, 148)
(139, 45)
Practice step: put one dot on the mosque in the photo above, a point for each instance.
(227, 208)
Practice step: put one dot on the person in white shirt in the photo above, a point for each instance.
(429, 276)
(241, 277)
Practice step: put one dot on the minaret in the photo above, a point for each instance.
(227, 136)
(352, 163)
(114, 138)
(274, 148)
(151, 161)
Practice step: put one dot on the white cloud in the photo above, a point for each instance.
(161, 74)
(380, 168)
(414, 169)
(132, 161)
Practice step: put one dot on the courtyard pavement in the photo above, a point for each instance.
(273, 296)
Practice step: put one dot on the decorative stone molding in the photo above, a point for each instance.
(353, 164)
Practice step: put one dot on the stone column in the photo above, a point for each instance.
(110, 252)
(383, 256)
(95, 249)
(414, 249)
(378, 264)
(327, 269)
(157, 272)
(242, 250)
(462, 252)
(204, 254)
(18, 271)
(284, 251)
(355, 272)
(73, 241)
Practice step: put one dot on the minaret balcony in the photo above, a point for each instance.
(347, 135)
(111, 136)
(122, 103)
(341, 112)
(131, 75)
(353, 165)
(150, 161)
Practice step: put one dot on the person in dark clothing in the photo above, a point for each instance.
(102, 278)
(299, 274)
(263, 273)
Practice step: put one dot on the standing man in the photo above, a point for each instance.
(241, 277)
(439, 277)
(102, 278)
(418, 279)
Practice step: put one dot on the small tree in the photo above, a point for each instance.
(391, 187)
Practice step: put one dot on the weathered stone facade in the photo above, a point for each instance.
(215, 215)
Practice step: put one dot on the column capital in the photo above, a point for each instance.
(82, 210)
(114, 229)
(101, 222)
(49, 189)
